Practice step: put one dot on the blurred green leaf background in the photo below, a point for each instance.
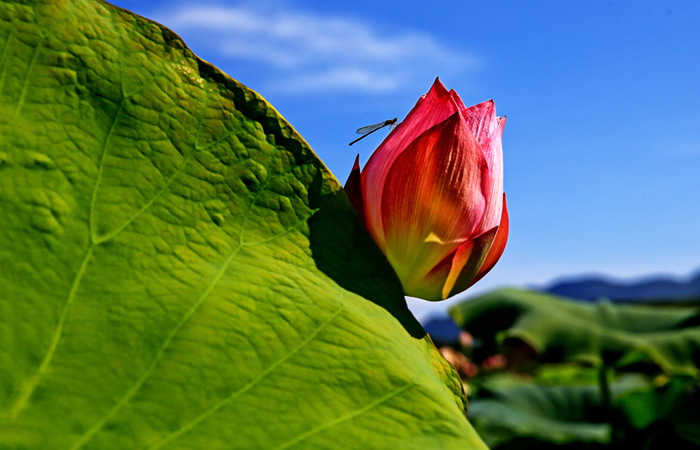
(547, 372)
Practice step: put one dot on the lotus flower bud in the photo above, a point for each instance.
(432, 195)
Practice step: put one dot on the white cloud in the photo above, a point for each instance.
(305, 51)
(343, 78)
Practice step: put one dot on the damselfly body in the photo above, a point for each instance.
(369, 129)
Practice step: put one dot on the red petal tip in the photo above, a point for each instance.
(353, 189)
(438, 88)
(356, 166)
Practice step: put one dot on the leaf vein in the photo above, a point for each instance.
(283, 233)
(32, 383)
(156, 196)
(93, 201)
(344, 418)
(156, 359)
(223, 402)
(23, 93)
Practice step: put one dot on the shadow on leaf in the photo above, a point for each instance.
(344, 250)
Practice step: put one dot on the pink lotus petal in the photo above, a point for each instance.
(439, 206)
(497, 247)
(432, 194)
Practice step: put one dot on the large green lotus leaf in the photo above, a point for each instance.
(516, 414)
(669, 406)
(528, 417)
(564, 330)
(178, 269)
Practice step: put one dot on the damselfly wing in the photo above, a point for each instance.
(369, 129)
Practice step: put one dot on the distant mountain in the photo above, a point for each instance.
(656, 288)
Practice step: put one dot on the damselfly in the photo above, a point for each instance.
(369, 129)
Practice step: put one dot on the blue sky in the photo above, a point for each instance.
(602, 143)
